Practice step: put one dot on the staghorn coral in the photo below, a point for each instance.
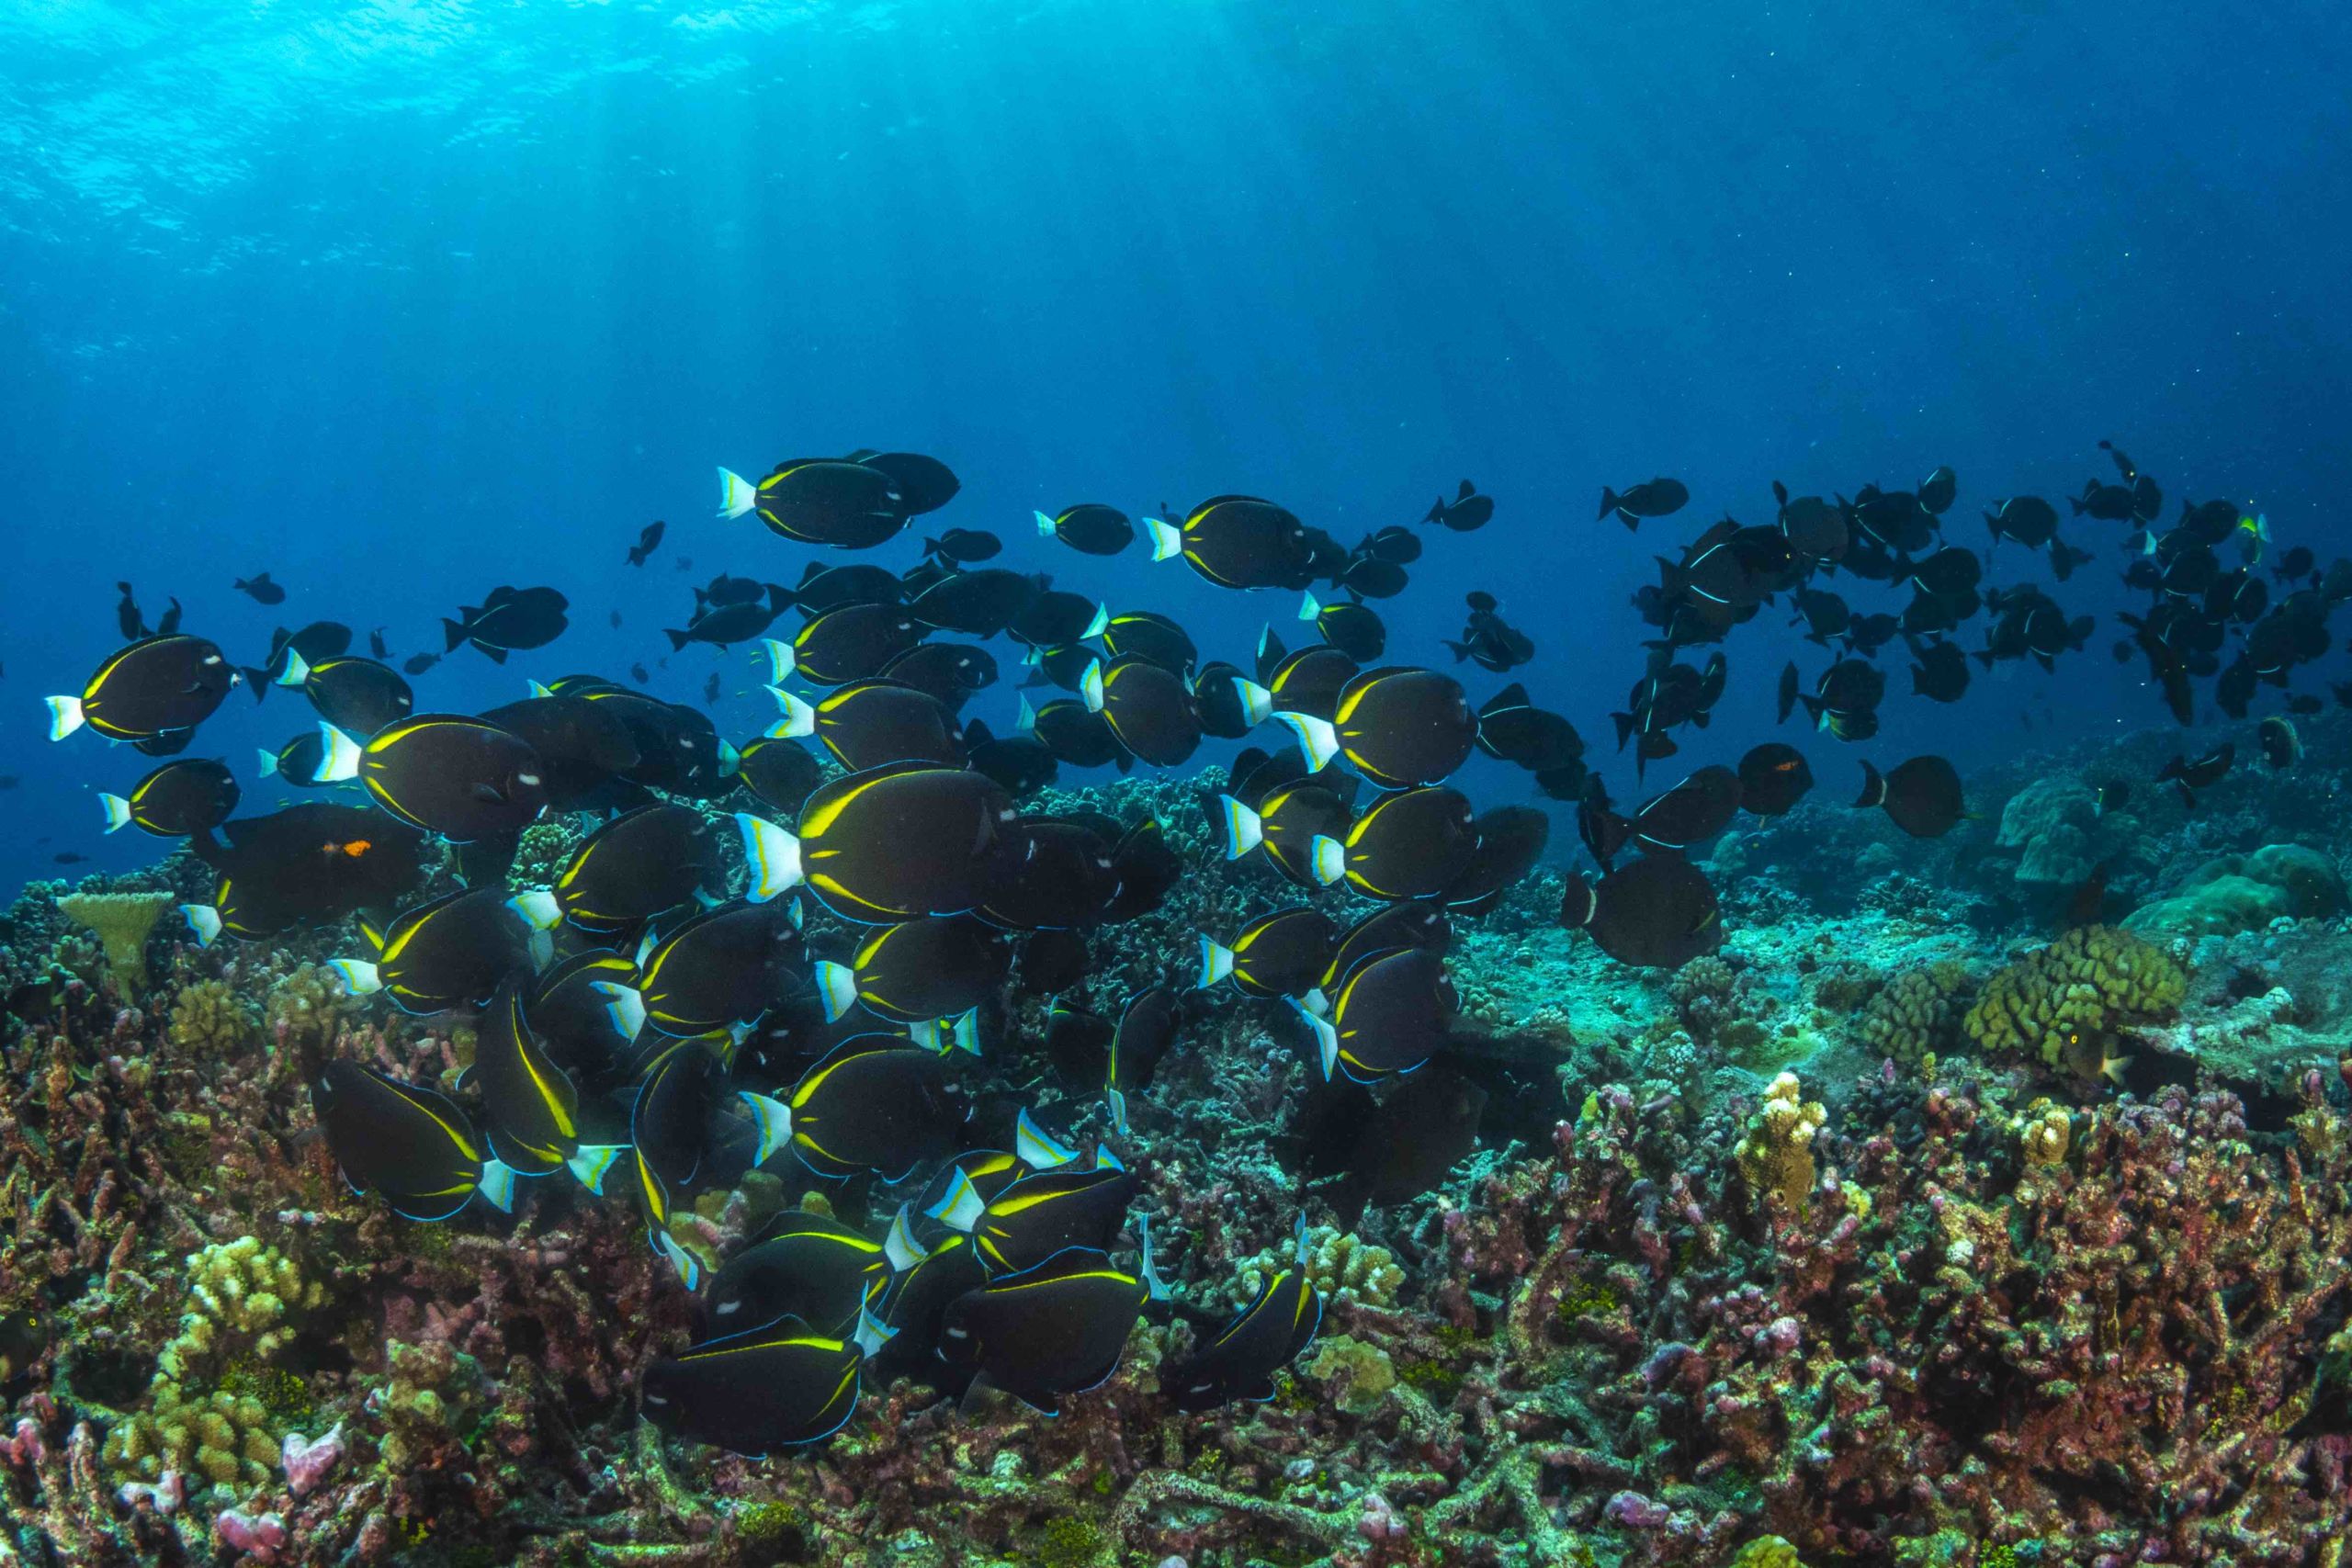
(2065, 1003)
(1912, 1018)
(1776, 1154)
(209, 1020)
(1344, 1267)
(122, 924)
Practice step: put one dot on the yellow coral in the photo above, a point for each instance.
(121, 922)
(308, 1005)
(1911, 1015)
(208, 1018)
(2064, 1002)
(1776, 1154)
(1341, 1266)
(2044, 1134)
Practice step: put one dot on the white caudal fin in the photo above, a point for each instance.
(624, 1006)
(772, 854)
(540, 689)
(1216, 963)
(689, 1271)
(265, 763)
(1027, 723)
(537, 906)
(297, 671)
(1326, 1040)
(1326, 860)
(736, 494)
(799, 718)
(779, 657)
(497, 1185)
(65, 716)
(1310, 607)
(900, 1247)
(1094, 627)
(1243, 830)
(836, 987)
(1118, 1104)
(204, 921)
(1257, 703)
(118, 812)
(1090, 685)
(360, 976)
(872, 1332)
(1037, 1149)
(1167, 540)
(1316, 740)
(963, 1206)
(1044, 524)
(591, 1161)
(338, 756)
(773, 1118)
(1157, 1290)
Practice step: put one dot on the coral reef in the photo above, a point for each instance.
(122, 924)
(2237, 893)
(2067, 1002)
(1343, 1266)
(1915, 1016)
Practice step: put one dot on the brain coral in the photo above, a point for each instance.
(2064, 1001)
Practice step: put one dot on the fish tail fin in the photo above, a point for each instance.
(1326, 860)
(1045, 526)
(1316, 740)
(836, 987)
(497, 1185)
(1244, 830)
(1257, 703)
(338, 759)
(1154, 1287)
(1026, 724)
(1608, 503)
(963, 1032)
(1309, 606)
(736, 494)
(872, 1332)
(961, 1208)
(773, 856)
(297, 671)
(900, 1247)
(1090, 685)
(359, 978)
(623, 1008)
(1035, 1147)
(1216, 963)
(678, 640)
(780, 657)
(591, 1161)
(799, 718)
(2076, 502)
(1578, 903)
(689, 1271)
(538, 909)
(1094, 627)
(1874, 787)
(264, 763)
(118, 812)
(453, 632)
(204, 921)
(1327, 1039)
(1167, 540)
(65, 716)
(774, 1119)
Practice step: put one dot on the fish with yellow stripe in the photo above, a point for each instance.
(717, 971)
(462, 778)
(1388, 1015)
(636, 866)
(453, 950)
(1240, 1360)
(409, 1143)
(160, 685)
(776, 1387)
(1057, 1328)
(190, 795)
(531, 1107)
(1073, 1204)
(875, 1104)
(801, 1265)
(891, 843)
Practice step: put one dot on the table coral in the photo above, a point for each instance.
(122, 924)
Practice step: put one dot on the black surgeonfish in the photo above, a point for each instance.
(1922, 795)
(1939, 672)
(1147, 1031)
(358, 696)
(1845, 701)
(782, 774)
(977, 603)
(307, 863)
(852, 643)
(2027, 520)
(1238, 541)
(816, 501)
(964, 546)
(319, 641)
(723, 626)
(452, 949)
(774, 1388)
(636, 866)
(1090, 528)
(1512, 729)
(1814, 529)
(648, 539)
(1939, 490)
(1658, 912)
(1388, 1015)
(260, 589)
(1057, 1328)
(889, 843)
(1510, 841)
(1396, 726)
(152, 687)
(874, 1104)
(407, 1143)
(1040, 1215)
(176, 800)
(1143, 634)
(823, 588)
(1657, 498)
(919, 971)
(1772, 778)
(2205, 771)
(1467, 512)
(1693, 811)
(511, 620)
(587, 749)
(869, 724)
(801, 1265)
(1280, 955)
(723, 967)
(1409, 844)
(1354, 629)
(1148, 708)
(530, 1103)
(1241, 1359)
(462, 778)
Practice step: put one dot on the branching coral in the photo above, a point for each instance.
(1776, 1154)
(1344, 1267)
(209, 1020)
(2066, 1002)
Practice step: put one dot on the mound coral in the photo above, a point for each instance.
(1913, 1015)
(1344, 1267)
(2065, 1003)
(2237, 893)
(209, 1020)
(122, 924)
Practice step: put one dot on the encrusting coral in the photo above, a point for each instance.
(2065, 1003)
(122, 924)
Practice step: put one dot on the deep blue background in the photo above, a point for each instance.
(403, 302)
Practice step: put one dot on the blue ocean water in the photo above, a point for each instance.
(401, 301)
